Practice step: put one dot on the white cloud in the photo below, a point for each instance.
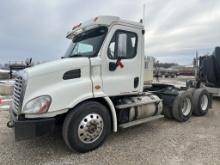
(174, 28)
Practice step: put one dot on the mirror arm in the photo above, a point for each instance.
(119, 63)
(113, 65)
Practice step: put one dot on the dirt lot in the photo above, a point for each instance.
(160, 142)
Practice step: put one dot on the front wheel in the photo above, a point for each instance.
(86, 126)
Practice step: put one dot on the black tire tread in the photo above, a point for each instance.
(176, 111)
(196, 98)
(167, 112)
(73, 114)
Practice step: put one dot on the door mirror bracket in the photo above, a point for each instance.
(113, 65)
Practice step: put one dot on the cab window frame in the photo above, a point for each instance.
(117, 32)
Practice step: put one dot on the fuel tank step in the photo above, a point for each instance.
(140, 121)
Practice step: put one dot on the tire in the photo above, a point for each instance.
(191, 90)
(86, 127)
(167, 112)
(202, 69)
(182, 106)
(189, 84)
(211, 71)
(208, 72)
(217, 65)
(201, 101)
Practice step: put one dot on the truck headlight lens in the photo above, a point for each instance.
(37, 105)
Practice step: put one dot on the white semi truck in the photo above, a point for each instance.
(97, 88)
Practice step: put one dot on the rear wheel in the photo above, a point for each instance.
(182, 106)
(167, 112)
(86, 127)
(191, 90)
(201, 101)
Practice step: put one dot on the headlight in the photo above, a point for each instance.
(38, 105)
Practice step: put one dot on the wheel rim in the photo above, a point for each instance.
(204, 102)
(186, 107)
(90, 128)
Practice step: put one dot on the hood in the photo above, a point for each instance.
(61, 65)
(48, 79)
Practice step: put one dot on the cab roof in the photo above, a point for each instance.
(101, 21)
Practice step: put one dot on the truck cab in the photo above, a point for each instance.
(96, 87)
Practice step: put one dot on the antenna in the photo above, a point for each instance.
(196, 64)
(143, 16)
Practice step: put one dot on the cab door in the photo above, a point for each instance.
(122, 61)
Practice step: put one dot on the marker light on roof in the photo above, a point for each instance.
(74, 27)
(95, 19)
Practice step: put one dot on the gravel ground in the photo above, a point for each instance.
(196, 141)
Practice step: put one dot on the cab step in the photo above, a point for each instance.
(140, 121)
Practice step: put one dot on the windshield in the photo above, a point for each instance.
(87, 44)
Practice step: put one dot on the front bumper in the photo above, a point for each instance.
(30, 128)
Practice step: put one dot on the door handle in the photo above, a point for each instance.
(136, 82)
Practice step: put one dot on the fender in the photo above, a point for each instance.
(113, 113)
(110, 106)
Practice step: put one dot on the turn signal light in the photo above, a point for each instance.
(95, 19)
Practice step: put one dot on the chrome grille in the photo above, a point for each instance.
(17, 94)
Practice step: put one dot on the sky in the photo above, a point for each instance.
(175, 29)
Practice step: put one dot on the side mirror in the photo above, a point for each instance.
(122, 45)
(28, 62)
(112, 66)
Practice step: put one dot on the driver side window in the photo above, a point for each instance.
(123, 45)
